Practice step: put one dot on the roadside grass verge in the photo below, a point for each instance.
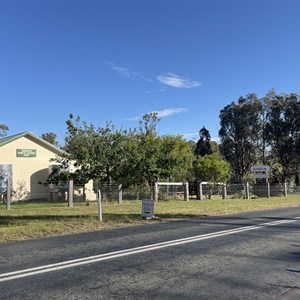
(36, 220)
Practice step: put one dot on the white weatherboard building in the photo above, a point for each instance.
(28, 157)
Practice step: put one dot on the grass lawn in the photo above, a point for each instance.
(35, 220)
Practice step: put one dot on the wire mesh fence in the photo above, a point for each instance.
(236, 190)
(136, 193)
(257, 190)
(170, 192)
(293, 189)
(166, 191)
(268, 190)
(116, 193)
(111, 193)
(59, 193)
(211, 189)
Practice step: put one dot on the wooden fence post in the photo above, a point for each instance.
(99, 205)
(247, 191)
(70, 193)
(8, 193)
(120, 198)
(198, 184)
(155, 191)
(285, 189)
(201, 191)
(224, 194)
(186, 191)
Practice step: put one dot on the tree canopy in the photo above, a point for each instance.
(263, 131)
(50, 137)
(252, 131)
(283, 132)
(133, 157)
(210, 168)
(238, 134)
(203, 146)
(3, 130)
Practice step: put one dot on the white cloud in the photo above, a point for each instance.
(169, 79)
(163, 113)
(177, 81)
(169, 112)
(121, 70)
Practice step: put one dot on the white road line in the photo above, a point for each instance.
(126, 252)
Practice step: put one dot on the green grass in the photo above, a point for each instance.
(35, 220)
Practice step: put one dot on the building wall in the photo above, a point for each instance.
(28, 171)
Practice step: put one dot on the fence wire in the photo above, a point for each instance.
(113, 193)
(170, 192)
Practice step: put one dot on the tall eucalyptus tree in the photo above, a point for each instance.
(240, 124)
(283, 132)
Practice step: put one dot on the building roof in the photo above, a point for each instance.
(9, 139)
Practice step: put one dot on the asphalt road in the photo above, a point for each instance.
(242, 256)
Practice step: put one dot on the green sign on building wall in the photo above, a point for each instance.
(26, 152)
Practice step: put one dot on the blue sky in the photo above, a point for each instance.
(117, 60)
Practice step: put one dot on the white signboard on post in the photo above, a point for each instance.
(148, 209)
(260, 171)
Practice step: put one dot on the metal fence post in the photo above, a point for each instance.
(268, 190)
